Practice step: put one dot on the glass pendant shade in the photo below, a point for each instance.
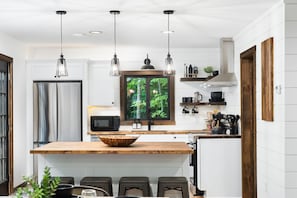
(115, 66)
(61, 67)
(115, 62)
(61, 63)
(169, 68)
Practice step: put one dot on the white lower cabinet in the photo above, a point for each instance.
(101, 84)
(219, 166)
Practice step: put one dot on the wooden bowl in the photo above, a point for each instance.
(118, 140)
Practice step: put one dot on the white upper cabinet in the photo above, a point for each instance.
(101, 84)
(46, 70)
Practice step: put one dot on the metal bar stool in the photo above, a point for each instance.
(100, 182)
(135, 186)
(170, 186)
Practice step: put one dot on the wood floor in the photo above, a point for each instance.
(192, 192)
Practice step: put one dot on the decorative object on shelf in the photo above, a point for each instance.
(198, 97)
(190, 71)
(147, 63)
(187, 99)
(216, 96)
(169, 68)
(115, 62)
(215, 73)
(186, 72)
(186, 110)
(208, 70)
(195, 72)
(118, 140)
(45, 189)
(195, 110)
(61, 63)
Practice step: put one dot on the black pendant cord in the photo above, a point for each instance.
(168, 36)
(61, 36)
(114, 34)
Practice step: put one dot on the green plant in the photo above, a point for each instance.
(46, 188)
(208, 69)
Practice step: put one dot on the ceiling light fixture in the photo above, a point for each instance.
(61, 63)
(169, 69)
(95, 32)
(115, 62)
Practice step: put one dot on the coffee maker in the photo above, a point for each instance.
(223, 122)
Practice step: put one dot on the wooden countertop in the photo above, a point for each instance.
(101, 148)
(200, 136)
(146, 132)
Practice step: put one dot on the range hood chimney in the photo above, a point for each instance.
(226, 77)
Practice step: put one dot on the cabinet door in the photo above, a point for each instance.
(46, 70)
(219, 166)
(101, 85)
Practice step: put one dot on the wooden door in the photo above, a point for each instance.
(6, 141)
(248, 123)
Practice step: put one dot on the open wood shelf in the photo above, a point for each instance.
(196, 79)
(201, 103)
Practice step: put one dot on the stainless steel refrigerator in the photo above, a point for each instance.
(57, 111)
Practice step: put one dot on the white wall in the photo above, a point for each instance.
(270, 135)
(17, 51)
(132, 58)
(290, 87)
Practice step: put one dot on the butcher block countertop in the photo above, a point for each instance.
(146, 132)
(101, 148)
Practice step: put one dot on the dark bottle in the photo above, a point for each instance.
(190, 71)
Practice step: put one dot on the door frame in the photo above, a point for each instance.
(9, 60)
(248, 122)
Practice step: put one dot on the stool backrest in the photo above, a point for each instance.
(99, 191)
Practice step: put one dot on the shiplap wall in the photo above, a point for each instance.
(17, 51)
(270, 135)
(290, 98)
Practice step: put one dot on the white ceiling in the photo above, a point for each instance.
(196, 23)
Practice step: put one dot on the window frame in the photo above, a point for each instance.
(147, 73)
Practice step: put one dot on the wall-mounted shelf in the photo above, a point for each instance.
(196, 79)
(201, 103)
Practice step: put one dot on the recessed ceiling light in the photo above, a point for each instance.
(167, 32)
(78, 34)
(95, 32)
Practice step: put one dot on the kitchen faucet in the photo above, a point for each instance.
(149, 119)
(149, 123)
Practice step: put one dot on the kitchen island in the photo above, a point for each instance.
(81, 159)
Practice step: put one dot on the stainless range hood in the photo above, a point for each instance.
(226, 77)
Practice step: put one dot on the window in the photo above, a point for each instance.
(147, 95)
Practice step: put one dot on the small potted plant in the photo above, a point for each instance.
(208, 70)
(46, 189)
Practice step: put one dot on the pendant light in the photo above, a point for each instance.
(169, 68)
(61, 63)
(115, 62)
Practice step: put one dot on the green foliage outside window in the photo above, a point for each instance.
(144, 93)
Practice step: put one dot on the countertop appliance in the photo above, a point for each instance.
(105, 123)
(223, 122)
(57, 111)
(216, 96)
